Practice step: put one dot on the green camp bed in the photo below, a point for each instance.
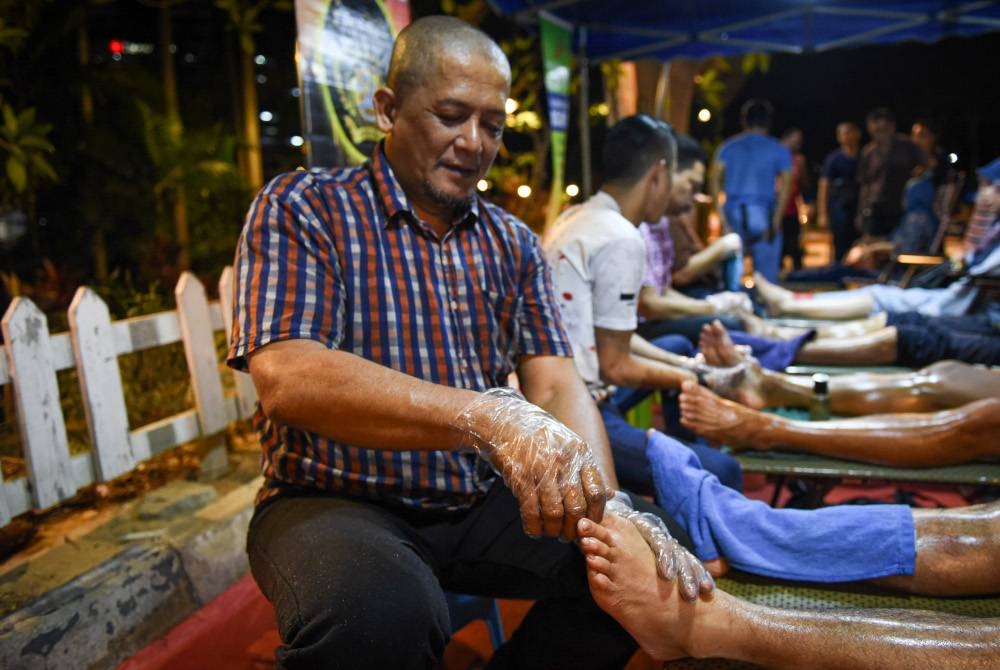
(828, 471)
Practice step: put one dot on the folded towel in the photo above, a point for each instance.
(832, 544)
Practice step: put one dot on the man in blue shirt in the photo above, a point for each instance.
(745, 169)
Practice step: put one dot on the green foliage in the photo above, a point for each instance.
(721, 76)
(244, 17)
(24, 141)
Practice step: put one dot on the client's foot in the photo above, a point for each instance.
(622, 575)
(717, 347)
(743, 383)
(719, 420)
(774, 296)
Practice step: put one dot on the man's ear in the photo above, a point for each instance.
(385, 108)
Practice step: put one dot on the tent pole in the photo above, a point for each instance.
(585, 179)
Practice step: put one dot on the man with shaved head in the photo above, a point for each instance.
(380, 311)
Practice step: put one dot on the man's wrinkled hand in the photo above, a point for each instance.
(673, 561)
(549, 468)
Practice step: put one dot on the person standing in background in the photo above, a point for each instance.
(791, 226)
(742, 184)
(837, 197)
(887, 162)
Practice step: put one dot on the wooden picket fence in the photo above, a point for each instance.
(92, 345)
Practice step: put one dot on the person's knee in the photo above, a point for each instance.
(339, 575)
(401, 624)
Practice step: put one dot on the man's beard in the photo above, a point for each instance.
(457, 206)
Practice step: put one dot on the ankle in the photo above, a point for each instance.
(713, 628)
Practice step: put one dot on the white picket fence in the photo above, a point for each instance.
(92, 345)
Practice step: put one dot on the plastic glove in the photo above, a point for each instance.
(549, 468)
(673, 561)
(730, 302)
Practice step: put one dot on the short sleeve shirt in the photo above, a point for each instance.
(841, 171)
(659, 242)
(752, 161)
(338, 256)
(884, 170)
(598, 262)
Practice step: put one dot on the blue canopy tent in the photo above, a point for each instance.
(663, 29)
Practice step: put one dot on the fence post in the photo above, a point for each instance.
(101, 384)
(40, 416)
(199, 349)
(246, 394)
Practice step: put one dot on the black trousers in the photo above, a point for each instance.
(358, 585)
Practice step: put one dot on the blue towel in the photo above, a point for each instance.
(832, 544)
(770, 353)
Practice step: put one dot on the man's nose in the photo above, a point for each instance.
(470, 137)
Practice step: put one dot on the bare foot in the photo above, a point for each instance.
(622, 575)
(719, 420)
(743, 383)
(774, 296)
(717, 347)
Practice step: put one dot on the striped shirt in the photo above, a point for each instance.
(338, 256)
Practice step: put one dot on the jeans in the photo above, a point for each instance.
(628, 446)
(753, 224)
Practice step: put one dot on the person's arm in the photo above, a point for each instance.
(822, 211)
(643, 348)
(304, 384)
(670, 304)
(707, 259)
(620, 367)
(347, 398)
(716, 174)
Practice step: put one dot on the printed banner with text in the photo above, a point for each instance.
(344, 48)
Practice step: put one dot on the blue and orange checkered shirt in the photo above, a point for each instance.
(338, 256)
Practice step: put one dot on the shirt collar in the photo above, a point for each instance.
(394, 199)
(604, 199)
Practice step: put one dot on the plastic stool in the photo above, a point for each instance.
(464, 609)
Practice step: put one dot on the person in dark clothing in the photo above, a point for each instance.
(837, 197)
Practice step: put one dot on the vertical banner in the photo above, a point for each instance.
(556, 51)
(343, 53)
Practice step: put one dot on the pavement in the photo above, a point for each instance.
(95, 598)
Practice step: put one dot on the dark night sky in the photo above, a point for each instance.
(952, 82)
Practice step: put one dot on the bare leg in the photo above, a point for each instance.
(877, 348)
(958, 552)
(946, 437)
(782, 302)
(755, 325)
(624, 583)
(943, 385)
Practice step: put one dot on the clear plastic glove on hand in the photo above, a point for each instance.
(730, 302)
(673, 561)
(549, 468)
